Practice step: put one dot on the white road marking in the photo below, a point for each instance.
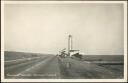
(87, 61)
(35, 66)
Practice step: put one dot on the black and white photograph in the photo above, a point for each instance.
(64, 41)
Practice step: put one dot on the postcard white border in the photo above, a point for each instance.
(62, 80)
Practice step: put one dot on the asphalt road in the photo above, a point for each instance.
(53, 67)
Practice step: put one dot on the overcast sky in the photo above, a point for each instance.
(96, 28)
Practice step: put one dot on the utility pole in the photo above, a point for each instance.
(69, 44)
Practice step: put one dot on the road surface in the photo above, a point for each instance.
(54, 67)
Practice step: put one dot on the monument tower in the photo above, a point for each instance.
(70, 44)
